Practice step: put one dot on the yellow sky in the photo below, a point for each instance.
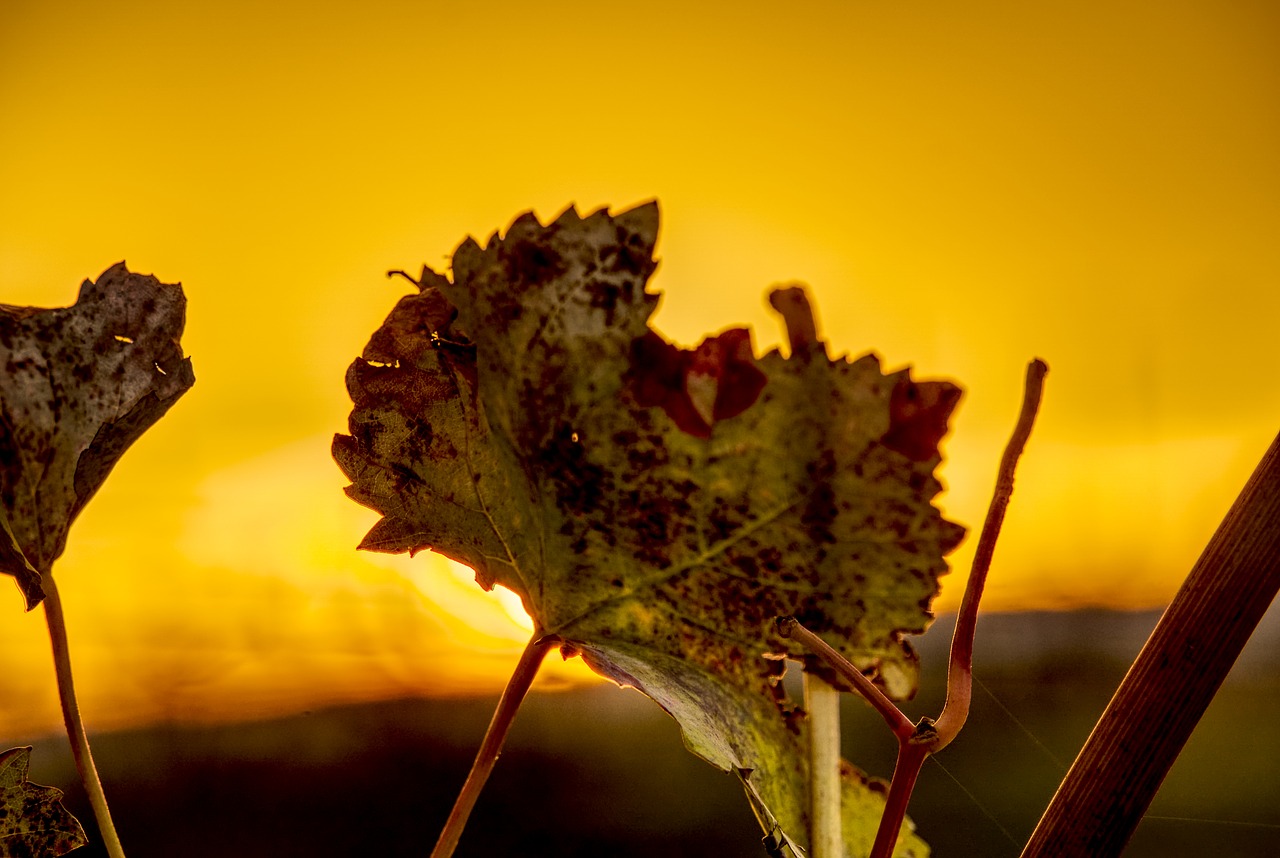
(963, 186)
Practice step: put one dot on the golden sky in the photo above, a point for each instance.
(963, 186)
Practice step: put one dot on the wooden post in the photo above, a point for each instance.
(822, 701)
(1169, 686)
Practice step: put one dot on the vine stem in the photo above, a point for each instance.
(490, 749)
(955, 711)
(911, 757)
(56, 620)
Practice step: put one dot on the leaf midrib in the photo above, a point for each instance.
(664, 576)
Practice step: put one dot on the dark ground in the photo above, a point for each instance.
(602, 772)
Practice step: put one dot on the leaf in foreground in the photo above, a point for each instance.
(657, 508)
(33, 821)
(80, 385)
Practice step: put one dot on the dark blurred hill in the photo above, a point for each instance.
(601, 771)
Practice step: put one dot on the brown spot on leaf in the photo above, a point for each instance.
(696, 388)
(558, 453)
(75, 397)
(530, 262)
(918, 415)
(33, 821)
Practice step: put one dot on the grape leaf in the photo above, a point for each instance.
(33, 821)
(80, 385)
(656, 508)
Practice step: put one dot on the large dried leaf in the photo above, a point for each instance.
(33, 822)
(80, 385)
(656, 508)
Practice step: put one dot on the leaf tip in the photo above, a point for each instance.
(641, 220)
(791, 302)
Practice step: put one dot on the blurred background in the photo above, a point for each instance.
(962, 187)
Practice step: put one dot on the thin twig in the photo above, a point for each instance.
(898, 723)
(76, 735)
(400, 272)
(960, 669)
(491, 747)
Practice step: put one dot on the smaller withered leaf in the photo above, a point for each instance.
(80, 385)
(33, 822)
(656, 508)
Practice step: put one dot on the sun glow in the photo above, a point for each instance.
(963, 188)
(278, 612)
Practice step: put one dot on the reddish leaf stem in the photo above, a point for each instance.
(892, 715)
(526, 669)
(960, 669)
(76, 735)
(911, 757)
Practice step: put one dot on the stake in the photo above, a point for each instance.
(1143, 729)
(76, 735)
(491, 747)
(822, 703)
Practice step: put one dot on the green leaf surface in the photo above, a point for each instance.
(80, 385)
(33, 822)
(656, 508)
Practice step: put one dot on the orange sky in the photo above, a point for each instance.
(963, 186)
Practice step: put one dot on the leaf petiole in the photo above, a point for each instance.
(76, 735)
(790, 627)
(490, 749)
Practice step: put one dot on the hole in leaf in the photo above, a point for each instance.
(159, 369)
(124, 339)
